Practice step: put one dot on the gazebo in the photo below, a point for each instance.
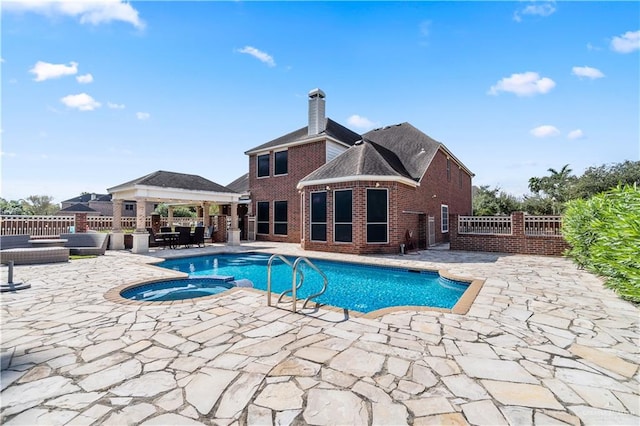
(171, 188)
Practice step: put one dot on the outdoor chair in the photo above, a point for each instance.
(184, 236)
(154, 241)
(165, 229)
(198, 236)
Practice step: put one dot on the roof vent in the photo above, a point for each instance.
(360, 142)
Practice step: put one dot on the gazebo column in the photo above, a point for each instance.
(170, 216)
(233, 237)
(140, 235)
(116, 240)
(206, 218)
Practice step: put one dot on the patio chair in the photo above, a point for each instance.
(154, 241)
(184, 236)
(198, 236)
(165, 229)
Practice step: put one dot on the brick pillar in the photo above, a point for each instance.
(117, 216)
(221, 233)
(81, 223)
(453, 232)
(517, 224)
(155, 222)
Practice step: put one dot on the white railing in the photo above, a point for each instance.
(36, 225)
(487, 225)
(543, 225)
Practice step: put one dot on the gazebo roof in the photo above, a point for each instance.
(172, 187)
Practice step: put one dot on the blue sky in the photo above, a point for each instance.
(95, 94)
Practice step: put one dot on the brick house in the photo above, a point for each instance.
(330, 189)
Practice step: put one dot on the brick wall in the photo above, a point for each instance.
(518, 242)
(302, 160)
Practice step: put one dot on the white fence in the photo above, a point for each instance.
(56, 225)
(487, 225)
(543, 225)
(503, 225)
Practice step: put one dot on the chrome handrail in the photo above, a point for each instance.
(293, 284)
(271, 259)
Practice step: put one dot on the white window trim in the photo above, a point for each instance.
(262, 221)
(311, 222)
(274, 162)
(342, 223)
(280, 222)
(378, 223)
(442, 216)
(258, 166)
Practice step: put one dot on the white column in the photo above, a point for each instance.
(116, 240)
(170, 216)
(233, 237)
(141, 236)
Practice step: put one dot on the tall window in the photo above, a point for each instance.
(263, 165)
(377, 215)
(280, 217)
(343, 219)
(318, 216)
(448, 169)
(460, 177)
(280, 163)
(444, 212)
(263, 217)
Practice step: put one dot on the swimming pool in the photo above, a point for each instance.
(358, 287)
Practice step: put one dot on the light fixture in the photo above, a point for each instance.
(377, 184)
(328, 188)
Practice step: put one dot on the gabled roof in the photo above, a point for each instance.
(85, 198)
(164, 179)
(240, 185)
(333, 130)
(78, 208)
(400, 152)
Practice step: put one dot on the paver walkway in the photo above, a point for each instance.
(544, 343)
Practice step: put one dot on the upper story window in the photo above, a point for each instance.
(281, 163)
(263, 165)
(449, 169)
(460, 177)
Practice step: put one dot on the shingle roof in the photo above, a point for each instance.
(78, 208)
(240, 185)
(333, 129)
(166, 179)
(85, 198)
(399, 151)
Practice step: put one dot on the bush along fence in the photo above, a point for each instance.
(518, 233)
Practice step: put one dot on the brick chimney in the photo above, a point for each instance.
(317, 119)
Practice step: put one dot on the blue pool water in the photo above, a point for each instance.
(180, 289)
(357, 287)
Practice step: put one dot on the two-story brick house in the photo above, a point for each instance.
(375, 192)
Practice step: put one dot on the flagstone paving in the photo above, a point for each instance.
(543, 343)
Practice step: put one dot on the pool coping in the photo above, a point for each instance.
(461, 307)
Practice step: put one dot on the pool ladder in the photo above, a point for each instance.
(295, 284)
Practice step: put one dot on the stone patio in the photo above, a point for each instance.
(543, 343)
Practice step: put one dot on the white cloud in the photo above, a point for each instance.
(361, 122)
(258, 54)
(7, 154)
(525, 84)
(46, 71)
(425, 28)
(115, 106)
(587, 72)
(84, 79)
(82, 102)
(545, 131)
(627, 42)
(93, 12)
(538, 9)
(143, 115)
(575, 134)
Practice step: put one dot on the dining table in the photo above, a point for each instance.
(170, 239)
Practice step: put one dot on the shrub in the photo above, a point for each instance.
(604, 234)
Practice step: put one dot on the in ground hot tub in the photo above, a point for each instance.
(181, 289)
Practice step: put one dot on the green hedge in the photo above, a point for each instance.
(604, 234)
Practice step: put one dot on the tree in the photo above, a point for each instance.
(606, 177)
(12, 207)
(40, 205)
(557, 187)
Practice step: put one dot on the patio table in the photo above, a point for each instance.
(170, 238)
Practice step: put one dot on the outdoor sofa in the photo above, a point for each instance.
(17, 248)
(86, 243)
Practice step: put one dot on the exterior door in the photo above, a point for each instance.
(432, 231)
